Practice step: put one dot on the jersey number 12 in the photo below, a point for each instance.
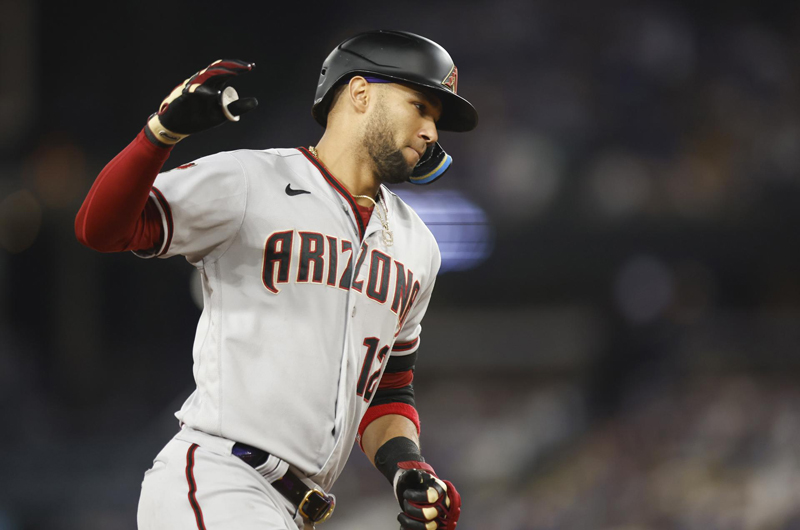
(368, 381)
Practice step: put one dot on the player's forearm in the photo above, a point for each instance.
(392, 444)
(384, 429)
(112, 213)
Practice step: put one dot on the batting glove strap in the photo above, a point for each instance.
(160, 135)
(201, 102)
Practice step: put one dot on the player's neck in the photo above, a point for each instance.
(350, 165)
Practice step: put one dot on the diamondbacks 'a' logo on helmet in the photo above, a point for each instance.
(451, 81)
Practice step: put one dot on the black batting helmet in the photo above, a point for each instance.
(396, 56)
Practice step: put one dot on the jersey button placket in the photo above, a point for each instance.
(352, 298)
(351, 216)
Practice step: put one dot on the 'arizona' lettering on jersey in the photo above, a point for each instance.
(386, 275)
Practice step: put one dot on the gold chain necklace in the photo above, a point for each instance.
(382, 211)
(383, 217)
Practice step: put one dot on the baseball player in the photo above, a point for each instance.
(315, 281)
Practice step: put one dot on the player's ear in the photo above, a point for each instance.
(359, 92)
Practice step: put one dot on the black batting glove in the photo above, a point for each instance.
(428, 503)
(201, 102)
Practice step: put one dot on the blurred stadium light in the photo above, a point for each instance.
(460, 226)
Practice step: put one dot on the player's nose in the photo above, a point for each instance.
(429, 133)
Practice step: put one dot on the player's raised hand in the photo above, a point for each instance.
(428, 503)
(201, 102)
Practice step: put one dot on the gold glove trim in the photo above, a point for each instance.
(163, 134)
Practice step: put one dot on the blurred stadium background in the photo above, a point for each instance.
(615, 343)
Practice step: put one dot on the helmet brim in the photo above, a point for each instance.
(458, 114)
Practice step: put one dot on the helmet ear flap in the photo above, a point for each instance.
(431, 166)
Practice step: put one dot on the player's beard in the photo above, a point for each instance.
(391, 167)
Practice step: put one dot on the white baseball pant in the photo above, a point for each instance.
(200, 485)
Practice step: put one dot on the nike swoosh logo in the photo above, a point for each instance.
(290, 192)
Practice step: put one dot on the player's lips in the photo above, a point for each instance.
(418, 153)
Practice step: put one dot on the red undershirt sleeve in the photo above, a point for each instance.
(116, 215)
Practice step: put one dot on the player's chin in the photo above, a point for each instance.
(395, 168)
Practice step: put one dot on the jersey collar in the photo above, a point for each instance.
(339, 187)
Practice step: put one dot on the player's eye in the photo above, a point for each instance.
(425, 110)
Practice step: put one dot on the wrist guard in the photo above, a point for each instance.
(396, 450)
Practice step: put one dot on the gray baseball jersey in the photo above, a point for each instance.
(303, 304)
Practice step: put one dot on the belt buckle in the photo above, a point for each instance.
(321, 510)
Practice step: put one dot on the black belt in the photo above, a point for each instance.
(312, 504)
